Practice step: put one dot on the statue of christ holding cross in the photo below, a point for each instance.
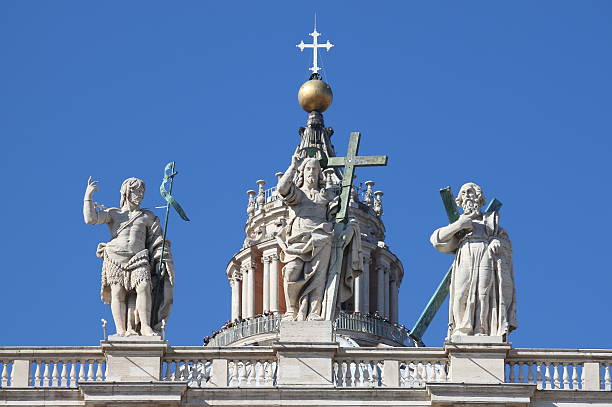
(320, 247)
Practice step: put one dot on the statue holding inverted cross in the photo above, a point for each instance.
(482, 290)
(320, 247)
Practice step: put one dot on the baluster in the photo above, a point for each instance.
(556, 376)
(335, 375)
(55, 375)
(375, 374)
(443, 376)
(529, 372)
(418, 377)
(251, 378)
(5, 366)
(363, 376)
(47, 375)
(37, 374)
(242, 373)
(582, 378)
(81, 371)
(344, 369)
(607, 379)
(575, 376)
(233, 376)
(64, 375)
(539, 383)
(73, 373)
(521, 374)
(90, 371)
(268, 373)
(566, 381)
(511, 377)
(358, 374)
(173, 366)
(165, 371)
(99, 374)
(547, 377)
(260, 373)
(404, 374)
(430, 372)
(353, 367)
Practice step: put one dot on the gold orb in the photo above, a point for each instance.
(315, 95)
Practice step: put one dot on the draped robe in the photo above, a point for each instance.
(482, 290)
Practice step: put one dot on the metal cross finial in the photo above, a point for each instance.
(315, 48)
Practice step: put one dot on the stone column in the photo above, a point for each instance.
(235, 283)
(245, 294)
(274, 283)
(358, 293)
(251, 290)
(393, 300)
(387, 292)
(365, 285)
(380, 300)
(266, 283)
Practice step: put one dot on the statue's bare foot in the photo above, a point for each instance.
(289, 316)
(120, 333)
(315, 317)
(300, 317)
(147, 331)
(131, 332)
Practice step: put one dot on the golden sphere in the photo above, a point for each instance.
(315, 95)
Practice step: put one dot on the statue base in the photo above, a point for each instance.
(305, 353)
(133, 358)
(473, 339)
(306, 331)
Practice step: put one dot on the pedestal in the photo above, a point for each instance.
(134, 358)
(477, 359)
(305, 354)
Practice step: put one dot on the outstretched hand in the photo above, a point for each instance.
(92, 186)
(296, 157)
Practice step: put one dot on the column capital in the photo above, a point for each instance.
(247, 266)
(236, 276)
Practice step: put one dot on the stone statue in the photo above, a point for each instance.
(306, 241)
(482, 291)
(130, 259)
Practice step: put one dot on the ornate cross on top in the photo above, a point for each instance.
(315, 49)
(349, 163)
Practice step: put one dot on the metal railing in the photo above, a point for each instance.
(265, 324)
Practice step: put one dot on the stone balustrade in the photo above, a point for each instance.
(67, 367)
(51, 366)
(561, 369)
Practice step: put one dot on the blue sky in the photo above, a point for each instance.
(512, 95)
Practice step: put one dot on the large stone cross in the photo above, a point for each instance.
(349, 163)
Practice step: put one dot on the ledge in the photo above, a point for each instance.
(136, 393)
(448, 394)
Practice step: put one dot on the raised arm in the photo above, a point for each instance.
(90, 215)
(284, 183)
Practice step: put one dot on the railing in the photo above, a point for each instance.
(261, 324)
(561, 369)
(265, 324)
(371, 325)
(51, 367)
(390, 367)
(229, 367)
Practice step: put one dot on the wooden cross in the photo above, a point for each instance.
(437, 299)
(349, 163)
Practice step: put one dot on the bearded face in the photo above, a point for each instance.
(311, 174)
(470, 201)
(135, 196)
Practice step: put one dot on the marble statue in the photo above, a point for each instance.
(306, 241)
(130, 259)
(482, 290)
